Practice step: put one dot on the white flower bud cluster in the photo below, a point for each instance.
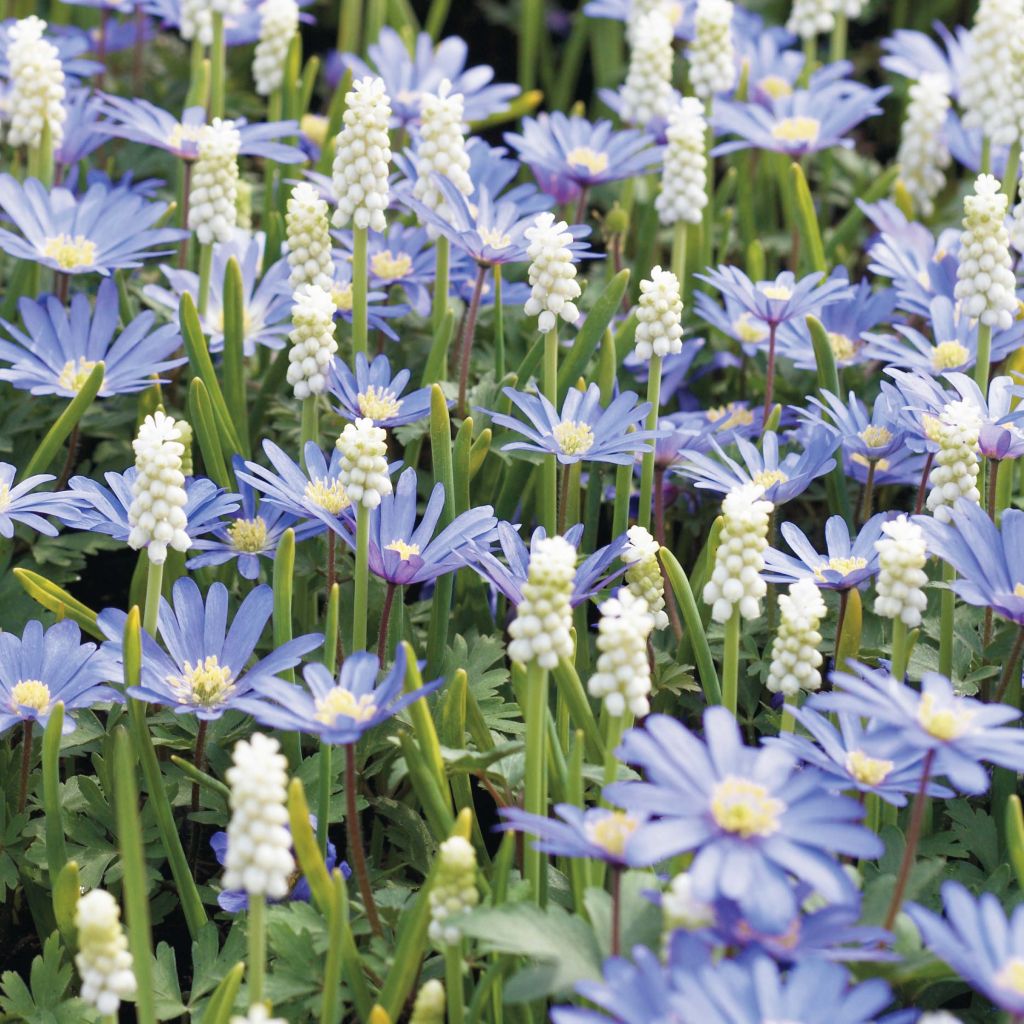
(809, 18)
(712, 55)
(955, 473)
(259, 856)
(681, 909)
(901, 577)
(795, 655)
(991, 77)
(659, 328)
(364, 463)
(103, 960)
(312, 338)
(647, 92)
(213, 210)
(429, 1007)
(541, 629)
(36, 96)
(985, 281)
(258, 1014)
(441, 147)
(157, 512)
(622, 678)
(362, 157)
(736, 577)
(309, 238)
(923, 153)
(196, 18)
(850, 8)
(454, 890)
(643, 577)
(279, 21)
(684, 178)
(552, 273)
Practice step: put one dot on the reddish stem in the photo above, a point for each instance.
(355, 840)
(26, 763)
(913, 837)
(385, 619)
(769, 380)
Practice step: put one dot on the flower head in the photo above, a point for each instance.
(372, 393)
(647, 93)
(441, 147)
(540, 632)
(643, 573)
(712, 56)
(362, 157)
(552, 273)
(36, 97)
(279, 21)
(454, 890)
(902, 554)
(18, 503)
(659, 329)
(157, 513)
(213, 208)
(103, 960)
(312, 337)
(683, 194)
(622, 677)
(795, 655)
(847, 562)
(363, 471)
(309, 237)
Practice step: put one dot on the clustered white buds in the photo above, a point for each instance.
(362, 157)
(622, 678)
(795, 655)
(309, 238)
(279, 21)
(429, 1007)
(103, 960)
(441, 147)
(552, 273)
(923, 154)
(647, 92)
(955, 473)
(985, 281)
(541, 629)
(36, 96)
(197, 17)
(258, 1014)
(312, 338)
(712, 55)
(680, 908)
(157, 512)
(643, 577)
(684, 194)
(259, 857)
(991, 79)
(454, 890)
(850, 8)
(659, 327)
(808, 18)
(736, 578)
(213, 210)
(901, 577)
(364, 463)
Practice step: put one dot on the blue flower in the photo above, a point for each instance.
(584, 431)
(380, 308)
(373, 393)
(82, 132)
(338, 710)
(681, 14)
(205, 668)
(41, 667)
(752, 820)
(71, 43)
(19, 505)
(59, 347)
(105, 229)
(871, 437)
(911, 53)
(904, 467)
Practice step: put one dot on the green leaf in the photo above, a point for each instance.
(166, 991)
(598, 318)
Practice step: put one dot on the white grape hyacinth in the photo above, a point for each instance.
(991, 72)
(35, 99)
(553, 283)
(259, 857)
(795, 655)
(103, 960)
(441, 147)
(157, 512)
(313, 343)
(684, 177)
(364, 463)
(712, 54)
(309, 238)
(647, 92)
(659, 315)
(736, 578)
(809, 18)
(213, 199)
(899, 590)
(454, 890)
(541, 630)
(362, 157)
(279, 22)
(849, 8)
(923, 154)
(957, 464)
(643, 575)
(622, 678)
(429, 1007)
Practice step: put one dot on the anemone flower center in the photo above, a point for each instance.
(314, 127)
(612, 832)
(341, 296)
(378, 403)
(745, 807)
(5, 497)
(797, 129)
(943, 721)
(875, 437)
(769, 478)
(182, 133)
(207, 683)
(775, 86)
(70, 253)
(1011, 976)
(843, 347)
(574, 438)
(749, 330)
(328, 495)
(31, 693)
(404, 551)
(870, 771)
(1018, 590)
(75, 373)
(843, 566)
(339, 702)
(590, 159)
(948, 355)
(389, 267)
(248, 535)
(494, 238)
(778, 292)
(725, 417)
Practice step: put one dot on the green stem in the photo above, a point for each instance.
(360, 331)
(899, 648)
(453, 983)
(205, 267)
(647, 468)
(1012, 170)
(217, 67)
(310, 426)
(535, 798)
(549, 469)
(623, 490)
(362, 579)
(947, 606)
(731, 662)
(499, 326)
(839, 33)
(787, 722)
(679, 252)
(154, 581)
(986, 155)
(26, 762)
(442, 259)
(257, 936)
(323, 805)
(984, 363)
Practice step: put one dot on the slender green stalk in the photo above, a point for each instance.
(549, 469)
(787, 723)
(337, 923)
(154, 581)
(453, 983)
(531, 30)
(310, 425)
(360, 270)
(360, 597)
(620, 509)
(984, 364)
(217, 66)
(442, 259)
(56, 849)
(643, 516)
(899, 648)
(839, 33)
(986, 155)
(65, 423)
(205, 267)
(499, 326)
(536, 798)
(256, 933)
(1012, 172)
(614, 727)
(679, 253)
(731, 662)
(947, 606)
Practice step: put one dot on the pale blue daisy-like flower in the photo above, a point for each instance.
(22, 503)
(373, 393)
(873, 435)
(912, 54)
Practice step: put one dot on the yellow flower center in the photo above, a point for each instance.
(769, 477)
(1012, 975)
(1018, 591)
(248, 535)
(749, 330)
(207, 683)
(745, 807)
(724, 417)
(314, 127)
(932, 427)
(389, 267)
(182, 133)
(31, 693)
(876, 437)
(340, 702)
(328, 495)
(775, 86)
(797, 129)
(843, 348)
(863, 460)
(75, 374)
(495, 238)
(843, 566)
(584, 156)
(574, 438)
(871, 771)
(378, 403)
(216, 321)
(943, 722)
(70, 253)
(612, 832)
(405, 551)
(777, 291)
(341, 295)
(948, 355)
(5, 497)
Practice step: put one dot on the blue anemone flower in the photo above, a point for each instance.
(18, 503)
(106, 229)
(846, 563)
(873, 436)
(680, 14)
(380, 307)
(373, 393)
(911, 53)
(751, 818)
(205, 668)
(82, 132)
(42, 667)
(59, 347)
